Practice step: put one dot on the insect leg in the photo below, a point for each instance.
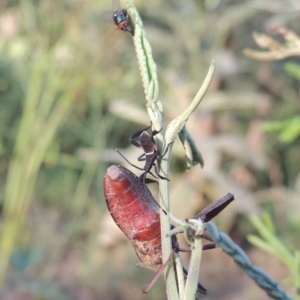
(204, 247)
(142, 158)
(166, 150)
(200, 289)
(156, 171)
(148, 181)
(203, 236)
(138, 133)
(155, 132)
(143, 176)
(135, 143)
(149, 285)
(128, 160)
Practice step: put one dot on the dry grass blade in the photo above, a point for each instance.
(276, 50)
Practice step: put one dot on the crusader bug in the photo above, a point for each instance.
(150, 155)
(136, 212)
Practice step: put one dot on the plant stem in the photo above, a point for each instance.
(164, 192)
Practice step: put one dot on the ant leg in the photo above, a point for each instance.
(162, 177)
(155, 132)
(160, 271)
(148, 181)
(204, 247)
(135, 143)
(138, 133)
(156, 171)
(128, 160)
(166, 150)
(200, 288)
(179, 249)
(151, 174)
(150, 161)
(204, 236)
(143, 176)
(142, 158)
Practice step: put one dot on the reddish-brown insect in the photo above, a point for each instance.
(135, 211)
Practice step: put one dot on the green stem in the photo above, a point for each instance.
(194, 267)
(154, 107)
(164, 192)
(176, 126)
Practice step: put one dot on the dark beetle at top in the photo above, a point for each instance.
(122, 20)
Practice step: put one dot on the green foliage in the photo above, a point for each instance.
(287, 131)
(273, 244)
(293, 70)
(44, 81)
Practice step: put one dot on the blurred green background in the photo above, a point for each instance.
(70, 92)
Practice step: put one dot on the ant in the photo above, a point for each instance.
(150, 155)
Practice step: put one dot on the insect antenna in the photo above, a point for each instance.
(135, 166)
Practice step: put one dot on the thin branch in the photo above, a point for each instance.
(263, 280)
